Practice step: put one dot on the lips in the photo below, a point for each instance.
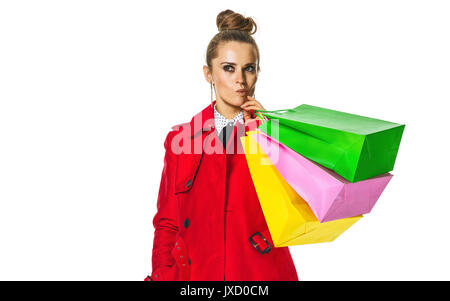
(242, 91)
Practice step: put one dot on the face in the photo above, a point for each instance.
(235, 68)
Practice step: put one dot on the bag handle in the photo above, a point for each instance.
(262, 116)
(275, 111)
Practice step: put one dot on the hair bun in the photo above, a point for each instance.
(229, 20)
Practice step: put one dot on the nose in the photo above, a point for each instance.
(240, 79)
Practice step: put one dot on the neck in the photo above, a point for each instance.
(226, 110)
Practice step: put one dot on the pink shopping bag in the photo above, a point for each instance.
(329, 195)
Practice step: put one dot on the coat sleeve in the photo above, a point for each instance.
(165, 220)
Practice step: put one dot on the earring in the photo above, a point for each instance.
(212, 95)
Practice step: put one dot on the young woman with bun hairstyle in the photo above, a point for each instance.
(209, 224)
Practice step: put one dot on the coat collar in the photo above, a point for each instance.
(203, 121)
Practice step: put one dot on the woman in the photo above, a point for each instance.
(209, 224)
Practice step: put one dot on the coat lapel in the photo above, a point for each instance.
(190, 145)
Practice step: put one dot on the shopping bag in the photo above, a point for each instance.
(355, 147)
(329, 195)
(289, 218)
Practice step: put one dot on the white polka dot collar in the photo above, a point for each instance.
(220, 121)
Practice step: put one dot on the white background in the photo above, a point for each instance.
(89, 90)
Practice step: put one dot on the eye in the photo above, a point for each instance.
(226, 68)
(252, 68)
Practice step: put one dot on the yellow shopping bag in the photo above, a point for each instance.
(289, 218)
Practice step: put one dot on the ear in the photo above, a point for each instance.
(207, 73)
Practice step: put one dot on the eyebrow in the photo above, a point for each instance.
(230, 63)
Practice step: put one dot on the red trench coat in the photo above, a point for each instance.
(207, 210)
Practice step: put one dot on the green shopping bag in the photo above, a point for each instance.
(355, 147)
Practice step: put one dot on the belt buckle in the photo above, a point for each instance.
(266, 250)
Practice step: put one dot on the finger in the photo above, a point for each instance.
(246, 115)
(249, 98)
(252, 99)
(249, 102)
(252, 107)
(252, 102)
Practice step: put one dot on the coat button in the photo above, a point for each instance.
(186, 223)
(189, 261)
(189, 183)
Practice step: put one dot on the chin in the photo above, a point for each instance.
(237, 101)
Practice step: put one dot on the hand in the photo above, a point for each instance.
(249, 108)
